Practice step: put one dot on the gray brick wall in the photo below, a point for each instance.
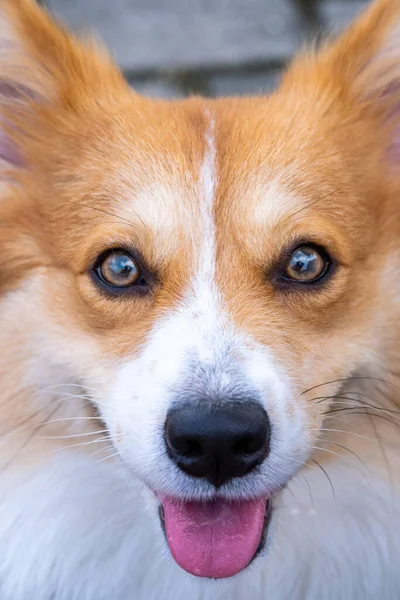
(214, 47)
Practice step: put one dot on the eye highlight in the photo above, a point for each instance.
(307, 264)
(118, 269)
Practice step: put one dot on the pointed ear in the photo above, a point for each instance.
(366, 64)
(42, 68)
(360, 71)
(367, 56)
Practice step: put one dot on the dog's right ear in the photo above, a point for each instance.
(44, 70)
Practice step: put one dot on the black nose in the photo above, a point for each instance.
(218, 444)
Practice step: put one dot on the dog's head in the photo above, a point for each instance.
(202, 268)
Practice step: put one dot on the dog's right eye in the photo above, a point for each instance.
(119, 270)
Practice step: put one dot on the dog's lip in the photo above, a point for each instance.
(264, 536)
(267, 521)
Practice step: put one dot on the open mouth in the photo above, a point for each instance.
(215, 539)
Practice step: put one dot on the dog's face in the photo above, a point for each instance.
(202, 268)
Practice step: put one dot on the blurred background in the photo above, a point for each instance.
(171, 48)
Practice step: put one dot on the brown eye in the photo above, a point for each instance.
(118, 269)
(306, 265)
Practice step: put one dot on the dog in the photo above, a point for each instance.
(199, 326)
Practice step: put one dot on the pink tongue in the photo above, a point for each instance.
(215, 540)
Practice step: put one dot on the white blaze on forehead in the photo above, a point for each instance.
(203, 299)
(208, 184)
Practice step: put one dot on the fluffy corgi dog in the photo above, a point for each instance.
(199, 326)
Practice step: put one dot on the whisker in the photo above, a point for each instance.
(37, 413)
(346, 458)
(355, 411)
(67, 396)
(26, 442)
(79, 385)
(298, 462)
(81, 444)
(384, 453)
(292, 493)
(342, 431)
(346, 400)
(105, 449)
(319, 449)
(348, 379)
(333, 418)
(117, 453)
(316, 201)
(307, 485)
(106, 212)
(323, 441)
(25, 421)
(68, 437)
(326, 475)
(73, 419)
(132, 212)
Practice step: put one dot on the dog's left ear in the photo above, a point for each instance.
(367, 59)
(360, 71)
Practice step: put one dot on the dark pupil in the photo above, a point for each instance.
(121, 266)
(305, 262)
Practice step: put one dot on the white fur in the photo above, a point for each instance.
(272, 200)
(91, 534)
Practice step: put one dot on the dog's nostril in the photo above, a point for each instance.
(218, 444)
(249, 444)
(189, 448)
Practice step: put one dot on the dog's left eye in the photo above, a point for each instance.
(118, 269)
(307, 264)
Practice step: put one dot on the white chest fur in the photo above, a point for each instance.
(79, 531)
